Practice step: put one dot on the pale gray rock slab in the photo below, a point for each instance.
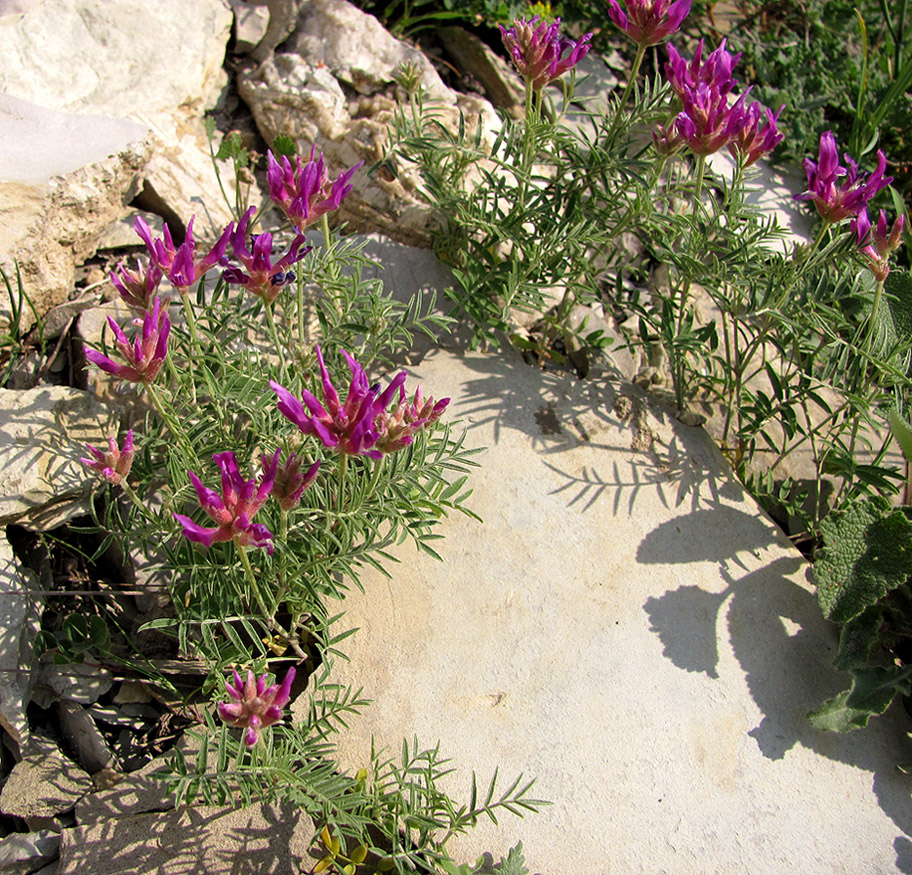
(43, 433)
(259, 840)
(80, 731)
(502, 84)
(78, 682)
(25, 852)
(21, 607)
(628, 628)
(357, 49)
(251, 21)
(115, 57)
(43, 785)
(55, 203)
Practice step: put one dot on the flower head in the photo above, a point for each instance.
(182, 265)
(749, 141)
(255, 706)
(113, 465)
(145, 355)
(349, 428)
(304, 194)
(538, 51)
(290, 483)
(837, 202)
(398, 427)
(706, 122)
(877, 244)
(648, 22)
(234, 509)
(263, 278)
(138, 288)
(715, 72)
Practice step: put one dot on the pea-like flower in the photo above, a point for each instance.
(263, 278)
(255, 706)
(706, 122)
(876, 243)
(145, 355)
(234, 509)
(182, 265)
(715, 71)
(113, 465)
(398, 427)
(538, 51)
(749, 140)
(349, 428)
(839, 192)
(138, 287)
(305, 193)
(290, 482)
(648, 22)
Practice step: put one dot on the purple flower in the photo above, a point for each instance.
(290, 483)
(835, 203)
(263, 278)
(749, 141)
(648, 22)
(877, 244)
(716, 72)
(398, 427)
(234, 509)
(349, 428)
(255, 706)
(145, 355)
(113, 465)
(539, 53)
(181, 265)
(304, 194)
(666, 141)
(706, 122)
(138, 288)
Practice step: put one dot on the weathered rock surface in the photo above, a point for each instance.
(43, 433)
(55, 203)
(628, 629)
(42, 785)
(115, 57)
(21, 606)
(25, 852)
(204, 840)
(77, 682)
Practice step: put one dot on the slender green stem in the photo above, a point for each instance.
(169, 420)
(343, 468)
(273, 331)
(634, 71)
(701, 172)
(254, 585)
(300, 308)
(128, 491)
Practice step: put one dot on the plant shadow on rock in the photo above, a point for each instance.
(780, 640)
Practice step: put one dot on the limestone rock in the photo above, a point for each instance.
(43, 433)
(251, 20)
(260, 840)
(357, 49)
(78, 682)
(43, 785)
(115, 57)
(81, 733)
(25, 852)
(55, 203)
(21, 607)
(626, 627)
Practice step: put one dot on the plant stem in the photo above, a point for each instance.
(254, 585)
(634, 70)
(280, 352)
(173, 427)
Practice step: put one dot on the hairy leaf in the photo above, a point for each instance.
(866, 554)
(871, 692)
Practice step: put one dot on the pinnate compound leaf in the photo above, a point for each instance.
(866, 554)
(871, 692)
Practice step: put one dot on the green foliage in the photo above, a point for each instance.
(12, 340)
(867, 554)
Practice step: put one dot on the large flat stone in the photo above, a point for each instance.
(627, 628)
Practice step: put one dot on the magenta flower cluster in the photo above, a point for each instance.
(836, 191)
(648, 22)
(263, 278)
(361, 425)
(540, 53)
(182, 264)
(304, 193)
(254, 706)
(711, 119)
(234, 509)
(145, 355)
(113, 465)
(877, 243)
